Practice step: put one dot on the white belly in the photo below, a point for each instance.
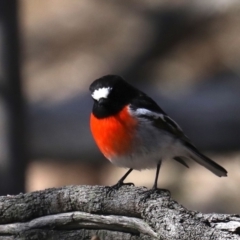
(151, 146)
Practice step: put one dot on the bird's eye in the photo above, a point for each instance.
(102, 101)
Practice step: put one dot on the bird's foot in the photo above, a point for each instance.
(115, 187)
(147, 194)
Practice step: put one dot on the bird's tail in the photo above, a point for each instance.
(205, 161)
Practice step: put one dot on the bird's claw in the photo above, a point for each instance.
(115, 187)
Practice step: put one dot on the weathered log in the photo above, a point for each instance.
(85, 212)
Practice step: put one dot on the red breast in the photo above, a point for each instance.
(114, 134)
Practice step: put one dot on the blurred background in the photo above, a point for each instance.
(185, 54)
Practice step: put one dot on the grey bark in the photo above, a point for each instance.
(87, 212)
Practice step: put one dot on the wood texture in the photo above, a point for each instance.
(85, 212)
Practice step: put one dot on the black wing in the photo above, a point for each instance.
(145, 102)
(157, 116)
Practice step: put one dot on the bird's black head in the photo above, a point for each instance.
(111, 94)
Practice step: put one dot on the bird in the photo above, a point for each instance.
(132, 131)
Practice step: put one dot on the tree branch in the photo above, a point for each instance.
(81, 212)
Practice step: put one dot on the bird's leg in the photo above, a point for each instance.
(157, 174)
(154, 189)
(120, 183)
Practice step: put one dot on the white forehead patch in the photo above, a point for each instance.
(101, 93)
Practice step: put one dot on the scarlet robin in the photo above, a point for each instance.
(133, 132)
